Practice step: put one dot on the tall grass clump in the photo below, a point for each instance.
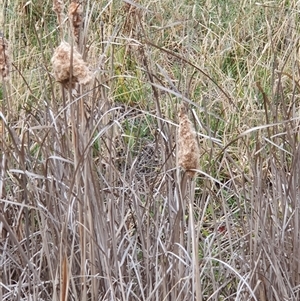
(145, 155)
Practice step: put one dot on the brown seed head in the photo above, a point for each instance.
(75, 16)
(61, 62)
(188, 152)
(4, 58)
(58, 7)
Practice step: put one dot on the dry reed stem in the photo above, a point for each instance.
(64, 279)
(188, 152)
(75, 16)
(58, 7)
(61, 62)
(4, 58)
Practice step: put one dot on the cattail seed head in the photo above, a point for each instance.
(61, 62)
(75, 16)
(4, 58)
(58, 7)
(188, 149)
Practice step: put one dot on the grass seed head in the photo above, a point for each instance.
(4, 58)
(61, 62)
(188, 152)
(75, 16)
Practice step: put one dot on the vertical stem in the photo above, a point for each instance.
(195, 245)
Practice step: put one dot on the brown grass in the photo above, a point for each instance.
(93, 205)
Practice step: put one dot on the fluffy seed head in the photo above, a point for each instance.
(61, 62)
(188, 152)
(75, 16)
(58, 7)
(4, 58)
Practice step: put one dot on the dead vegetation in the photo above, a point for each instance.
(93, 202)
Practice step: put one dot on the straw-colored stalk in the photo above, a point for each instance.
(4, 58)
(75, 16)
(58, 7)
(188, 149)
(61, 62)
